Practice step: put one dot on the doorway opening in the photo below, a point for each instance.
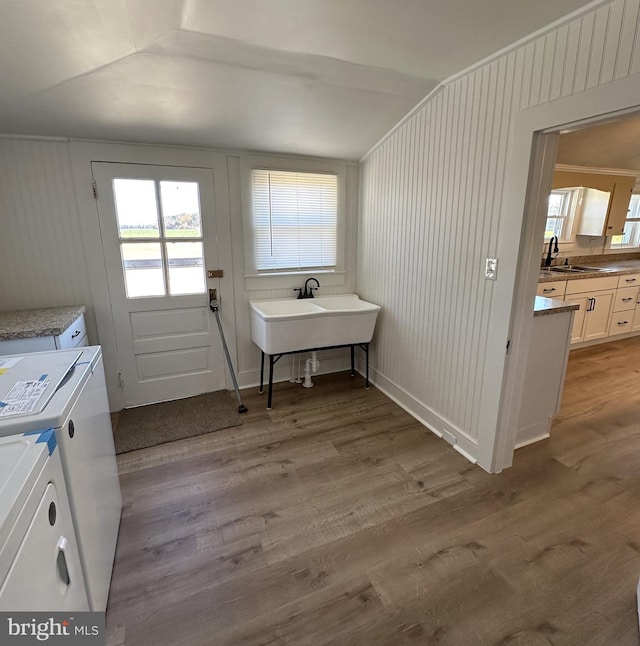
(584, 166)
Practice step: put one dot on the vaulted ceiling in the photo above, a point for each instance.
(315, 77)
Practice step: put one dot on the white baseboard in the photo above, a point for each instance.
(532, 440)
(605, 339)
(532, 433)
(438, 425)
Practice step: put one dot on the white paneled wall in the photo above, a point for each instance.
(432, 197)
(41, 255)
(596, 49)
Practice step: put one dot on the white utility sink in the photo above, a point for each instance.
(290, 325)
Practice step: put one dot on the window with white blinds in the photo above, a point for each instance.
(295, 218)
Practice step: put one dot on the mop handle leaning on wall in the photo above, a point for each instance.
(213, 304)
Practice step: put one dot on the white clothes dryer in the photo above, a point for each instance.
(39, 560)
(74, 407)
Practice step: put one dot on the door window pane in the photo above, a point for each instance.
(142, 264)
(180, 209)
(136, 208)
(186, 267)
(148, 265)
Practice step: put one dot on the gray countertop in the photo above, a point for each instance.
(28, 324)
(544, 306)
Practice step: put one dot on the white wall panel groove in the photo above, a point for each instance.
(634, 11)
(41, 251)
(627, 40)
(431, 208)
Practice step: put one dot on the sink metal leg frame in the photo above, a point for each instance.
(272, 361)
(365, 347)
(274, 358)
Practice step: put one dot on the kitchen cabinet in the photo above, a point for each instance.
(626, 298)
(626, 316)
(596, 300)
(594, 316)
(608, 218)
(635, 327)
(545, 372)
(621, 322)
(629, 280)
(609, 304)
(56, 328)
(625, 305)
(552, 289)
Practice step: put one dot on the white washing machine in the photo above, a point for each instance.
(74, 406)
(39, 560)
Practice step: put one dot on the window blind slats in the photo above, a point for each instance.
(295, 220)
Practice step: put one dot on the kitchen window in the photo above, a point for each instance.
(559, 214)
(631, 235)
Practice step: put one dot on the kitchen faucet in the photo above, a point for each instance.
(307, 292)
(554, 240)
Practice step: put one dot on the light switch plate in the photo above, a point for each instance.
(491, 269)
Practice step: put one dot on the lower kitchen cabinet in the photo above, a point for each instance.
(624, 308)
(596, 298)
(624, 282)
(42, 330)
(636, 316)
(553, 289)
(593, 318)
(544, 377)
(609, 305)
(621, 322)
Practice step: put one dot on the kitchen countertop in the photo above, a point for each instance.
(29, 324)
(544, 306)
(614, 268)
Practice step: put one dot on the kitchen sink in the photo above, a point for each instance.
(566, 270)
(578, 269)
(588, 269)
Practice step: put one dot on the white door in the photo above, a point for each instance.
(159, 236)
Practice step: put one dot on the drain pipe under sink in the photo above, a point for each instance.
(295, 369)
(311, 365)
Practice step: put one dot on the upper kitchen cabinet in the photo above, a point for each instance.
(605, 200)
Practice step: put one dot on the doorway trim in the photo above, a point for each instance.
(82, 154)
(534, 140)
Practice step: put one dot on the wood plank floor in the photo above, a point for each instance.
(336, 518)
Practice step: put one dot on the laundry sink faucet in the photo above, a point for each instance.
(306, 291)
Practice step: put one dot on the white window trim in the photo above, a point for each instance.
(273, 280)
